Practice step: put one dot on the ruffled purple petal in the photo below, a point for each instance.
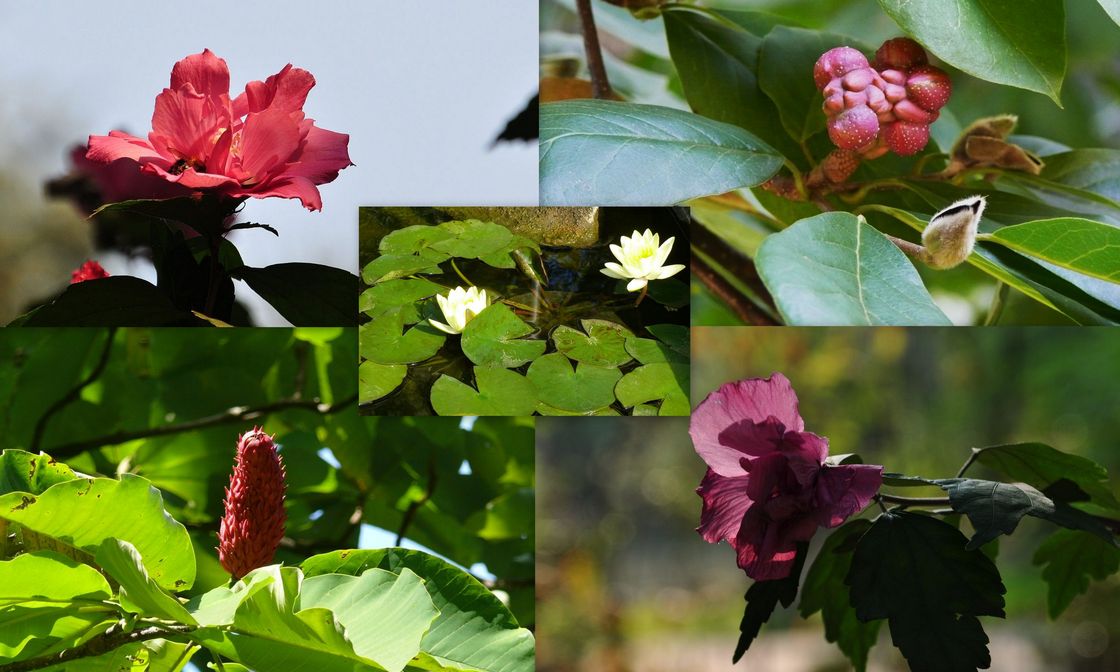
(725, 504)
(845, 490)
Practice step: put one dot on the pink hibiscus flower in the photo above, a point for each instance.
(258, 144)
(768, 486)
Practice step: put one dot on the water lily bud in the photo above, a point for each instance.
(853, 128)
(949, 237)
(900, 53)
(253, 524)
(906, 137)
(91, 270)
(837, 63)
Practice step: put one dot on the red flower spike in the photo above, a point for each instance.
(91, 270)
(905, 137)
(900, 53)
(929, 88)
(253, 524)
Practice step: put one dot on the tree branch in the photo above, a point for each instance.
(229, 416)
(74, 393)
(415, 505)
(112, 638)
(600, 85)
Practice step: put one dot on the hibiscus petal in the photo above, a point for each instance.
(288, 187)
(754, 399)
(192, 179)
(267, 142)
(118, 145)
(748, 440)
(725, 503)
(207, 73)
(321, 154)
(845, 490)
(766, 549)
(286, 91)
(806, 453)
(185, 124)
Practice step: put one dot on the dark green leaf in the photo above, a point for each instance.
(1042, 466)
(1081, 245)
(385, 340)
(120, 300)
(307, 295)
(667, 383)
(763, 596)
(581, 389)
(602, 343)
(1071, 559)
(493, 338)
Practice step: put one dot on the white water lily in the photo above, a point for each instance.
(642, 258)
(459, 307)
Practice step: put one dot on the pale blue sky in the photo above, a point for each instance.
(421, 86)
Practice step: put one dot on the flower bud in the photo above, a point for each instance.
(837, 63)
(929, 88)
(949, 237)
(906, 137)
(853, 128)
(91, 270)
(900, 53)
(253, 524)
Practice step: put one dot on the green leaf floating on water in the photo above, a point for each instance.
(415, 240)
(472, 239)
(601, 343)
(386, 340)
(392, 293)
(377, 380)
(582, 389)
(667, 383)
(393, 266)
(671, 348)
(500, 392)
(493, 338)
(837, 270)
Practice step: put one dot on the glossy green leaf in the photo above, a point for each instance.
(836, 270)
(763, 597)
(786, 75)
(377, 380)
(393, 266)
(386, 340)
(670, 347)
(471, 239)
(50, 577)
(824, 590)
(392, 293)
(120, 300)
(596, 152)
(914, 571)
(1070, 560)
(413, 240)
(493, 338)
(601, 343)
(1043, 467)
(139, 594)
(307, 295)
(1081, 245)
(21, 471)
(500, 392)
(667, 383)
(84, 513)
(1095, 170)
(577, 389)
(1021, 44)
(474, 630)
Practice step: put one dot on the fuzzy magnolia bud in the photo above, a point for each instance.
(91, 270)
(253, 523)
(949, 237)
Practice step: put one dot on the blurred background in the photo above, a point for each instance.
(423, 89)
(626, 584)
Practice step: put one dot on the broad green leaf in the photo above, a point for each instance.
(1021, 44)
(602, 343)
(34, 629)
(500, 392)
(377, 380)
(21, 471)
(676, 336)
(386, 341)
(836, 270)
(307, 295)
(472, 239)
(1043, 467)
(577, 389)
(914, 571)
(392, 293)
(413, 240)
(596, 152)
(650, 351)
(474, 630)
(385, 614)
(1095, 170)
(218, 606)
(1080, 245)
(393, 266)
(667, 383)
(995, 508)
(717, 62)
(826, 592)
(139, 594)
(1071, 559)
(671, 292)
(786, 75)
(493, 338)
(118, 301)
(545, 409)
(84, 513)
(763, 596)
(50, 577)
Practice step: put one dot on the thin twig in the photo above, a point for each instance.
(112, 638)
(743, 308)
(415, 505)
(74, 393)
(968, 463)
(600, 85)
(229, 416)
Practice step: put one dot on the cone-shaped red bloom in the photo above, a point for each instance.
(91, 270)
(254, 521)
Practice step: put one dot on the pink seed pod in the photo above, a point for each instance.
(837, 63)
(893, 77)
(929, 88)
(253, 524)
(853, 128)
(905, 137)
(908, 111)
(900, 53)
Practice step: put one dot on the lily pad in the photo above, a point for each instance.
(472, 239)
(578, 390)
(650, 351)
(667, 383)
(493, 339)
(377, 380)
(603, 344)
(414, 240)
(385, 340)
(644, 410)
(545, 409)
(393, 266)
(671, 293)
(504, 257)
(395, 293)
(500, 392)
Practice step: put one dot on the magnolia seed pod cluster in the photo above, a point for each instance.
(880, 106)
(253, 524)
